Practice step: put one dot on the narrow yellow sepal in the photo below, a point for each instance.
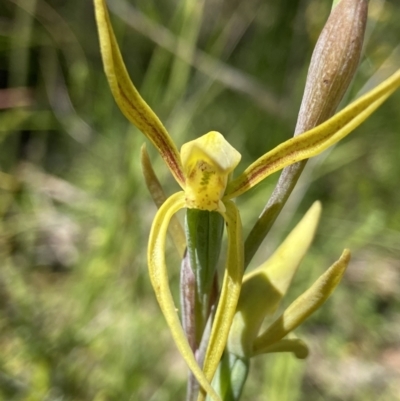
(313, 142)
(303, 306)
(159, 279)
(263, 288)
(135, 109)
(207, 162)
(230, 292)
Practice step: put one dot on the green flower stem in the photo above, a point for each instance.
(231, 377)
(204, 236)
(334, 62)
(286, 183)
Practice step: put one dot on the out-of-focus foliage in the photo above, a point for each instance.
(78, 319)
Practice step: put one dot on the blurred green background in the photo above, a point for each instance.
(78, 317)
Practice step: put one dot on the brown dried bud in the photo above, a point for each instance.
(333, 63)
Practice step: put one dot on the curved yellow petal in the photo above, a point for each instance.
(207, 162)
(304, 305)
(159, 280)
(136, 110)
(230, 292)
(313, 142)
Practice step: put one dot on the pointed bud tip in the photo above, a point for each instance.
(334, 62)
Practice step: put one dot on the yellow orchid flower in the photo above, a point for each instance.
(202, 169)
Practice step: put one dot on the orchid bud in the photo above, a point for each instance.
(333, 64)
